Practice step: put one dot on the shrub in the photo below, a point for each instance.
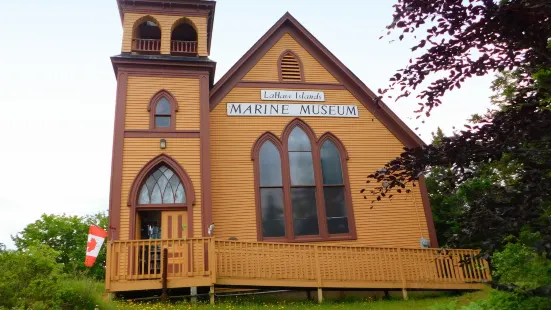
(499, 300)
(29, 279)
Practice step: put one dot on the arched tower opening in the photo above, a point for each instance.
(146, 37)
(184, 38)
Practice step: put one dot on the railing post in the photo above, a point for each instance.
(318, 274)
(164, 280)
(108, 266)
(456, 261)
(486, 269)
(402, 274)
(212, 268)
(212, 260)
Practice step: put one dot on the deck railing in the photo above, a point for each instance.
(342, 266)
(147, 260)
(183, 47)
(204, 261)
(146, 45)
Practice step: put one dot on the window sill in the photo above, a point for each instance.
(162, 207)
(157, 133)
(305, 239)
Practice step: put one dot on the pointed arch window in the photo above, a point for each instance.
(303, 192)
(290, 67)
(303, 185)
(163, 186)
(333, 189)
(271, 191)
(163, 107)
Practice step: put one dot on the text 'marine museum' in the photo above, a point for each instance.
(255, 180)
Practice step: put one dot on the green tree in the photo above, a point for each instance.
(458, 40)
(29, 278)
(68, 235)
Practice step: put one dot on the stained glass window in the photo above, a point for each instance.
(163, 186)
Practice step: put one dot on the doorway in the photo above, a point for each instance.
(164, 229)
(161, 225)
(148, 225)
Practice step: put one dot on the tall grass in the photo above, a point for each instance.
(83, 293)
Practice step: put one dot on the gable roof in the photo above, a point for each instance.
(288, 24)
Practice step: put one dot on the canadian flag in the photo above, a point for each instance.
(96, 236)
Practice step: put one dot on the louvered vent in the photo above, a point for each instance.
(290, 68)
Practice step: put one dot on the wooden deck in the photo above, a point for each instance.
(140, 264)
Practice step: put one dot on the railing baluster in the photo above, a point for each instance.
(146, 45)
(183, 47)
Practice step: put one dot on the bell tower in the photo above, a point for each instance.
(162, 129)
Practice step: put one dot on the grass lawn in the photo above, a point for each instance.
(412, 304)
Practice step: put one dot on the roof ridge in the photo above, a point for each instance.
(354, 84)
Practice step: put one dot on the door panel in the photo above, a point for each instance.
(174, 226)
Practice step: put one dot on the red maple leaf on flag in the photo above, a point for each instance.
(92, 244)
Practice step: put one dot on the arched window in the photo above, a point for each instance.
(333, 189)
(303, 195)
(162, 113)
(163, 107)
(303, 184)
(271, 191)
(290, 67)
(163, 186)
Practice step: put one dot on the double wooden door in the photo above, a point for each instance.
(171, 233)
(174, 228)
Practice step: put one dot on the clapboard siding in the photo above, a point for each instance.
(166, 22)
(141, 89)
(266, 69)
(139, 151)
(397, 223)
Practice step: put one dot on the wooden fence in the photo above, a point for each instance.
(139, 264)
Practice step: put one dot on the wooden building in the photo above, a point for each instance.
(255, 180)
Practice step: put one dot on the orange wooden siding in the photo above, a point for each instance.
(142, 88)
(398, 223)
(266, 69)
(139, 151)
(166, 23)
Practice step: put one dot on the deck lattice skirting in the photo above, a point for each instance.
(139, 265)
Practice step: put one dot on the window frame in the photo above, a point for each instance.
(152, 107)
(316, 144)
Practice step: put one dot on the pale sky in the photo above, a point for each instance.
(57, 88)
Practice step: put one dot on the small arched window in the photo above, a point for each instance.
(162, 114)
(162, 186)
(163, 107)
(290, 67)
(303, 191)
